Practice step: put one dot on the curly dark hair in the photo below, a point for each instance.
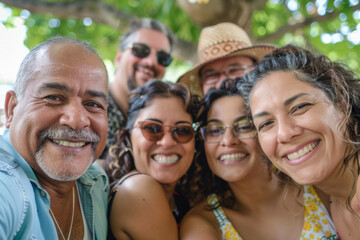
(204, 182)
(120, 160)
(338, 82)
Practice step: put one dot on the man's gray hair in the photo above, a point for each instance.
(27, 66)
(145, 23)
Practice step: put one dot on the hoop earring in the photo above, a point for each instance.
(274, 169)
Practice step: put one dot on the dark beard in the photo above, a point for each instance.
(131, 83)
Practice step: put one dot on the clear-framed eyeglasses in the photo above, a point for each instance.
(214, 132)
(211, 78)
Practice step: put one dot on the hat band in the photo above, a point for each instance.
(220, 49)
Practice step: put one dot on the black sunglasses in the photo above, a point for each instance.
(141, 50)
(154, 131)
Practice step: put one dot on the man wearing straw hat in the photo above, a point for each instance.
(224, 51)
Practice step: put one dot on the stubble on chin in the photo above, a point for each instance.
(65, 171)
(131, 83)
(64, 166)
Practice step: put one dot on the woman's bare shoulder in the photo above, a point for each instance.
(200, 223)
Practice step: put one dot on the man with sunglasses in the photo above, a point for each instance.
(143, 54)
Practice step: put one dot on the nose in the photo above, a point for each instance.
(287, 130)
(229, 138)
(222, 77)
(150, 60)
(167, 141)
(75, 115)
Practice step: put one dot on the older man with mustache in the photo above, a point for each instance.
(56, 124)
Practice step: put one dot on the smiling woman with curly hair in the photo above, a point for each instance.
(306, 110)
(239, 194)
(151, 162)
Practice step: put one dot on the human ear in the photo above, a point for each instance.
(10, 104)
(118, 58)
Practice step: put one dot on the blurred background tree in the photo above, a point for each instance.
(330, 27)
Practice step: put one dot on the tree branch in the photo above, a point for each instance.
(96, 10)
(99, 12)
(306, 22)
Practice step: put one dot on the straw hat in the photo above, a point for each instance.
(221, 41)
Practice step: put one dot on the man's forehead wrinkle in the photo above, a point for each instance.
(64, 53)
(63, 68)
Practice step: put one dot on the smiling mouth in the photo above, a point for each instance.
(68, 143)
(302, 152)
(232, 157)
(166, 158)
(146, 71)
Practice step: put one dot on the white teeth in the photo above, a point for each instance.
(166, 159)
(301, 152)
(231, 157)
(69, 144)
(147, 72)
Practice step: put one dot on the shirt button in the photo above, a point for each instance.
(42, 193)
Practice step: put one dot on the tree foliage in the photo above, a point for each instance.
(330, 27)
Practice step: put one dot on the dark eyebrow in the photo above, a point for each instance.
(157, 120)
(182, 122)
(236, 119)
(241, 118)
(207, 70)
(261, 114)
(63, 87)
(97, 94)
(234, 64)
(154, 120)
(286, 103)
(57, 86)
(293, 98)
(213, 120)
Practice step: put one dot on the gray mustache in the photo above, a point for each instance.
(68, 133)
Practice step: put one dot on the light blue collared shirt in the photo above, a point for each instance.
(24, 204)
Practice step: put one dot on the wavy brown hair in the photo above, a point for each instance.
(337, 81)
(204, 182)
(120, 160)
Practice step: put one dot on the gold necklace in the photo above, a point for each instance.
(72, 218)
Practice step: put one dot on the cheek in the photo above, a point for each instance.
(266, 142)
(161, 71)
(189, 149)
(100, 125)
(138, 155)
(205, 89)
(24, 129)
(218, 84)
(131, 62)
(141, 148)
(210, 153)
(252, 143)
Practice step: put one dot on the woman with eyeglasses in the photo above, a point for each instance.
(238, 195)
(149, 163)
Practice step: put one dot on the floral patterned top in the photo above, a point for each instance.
(317, 222)
(116, 121)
